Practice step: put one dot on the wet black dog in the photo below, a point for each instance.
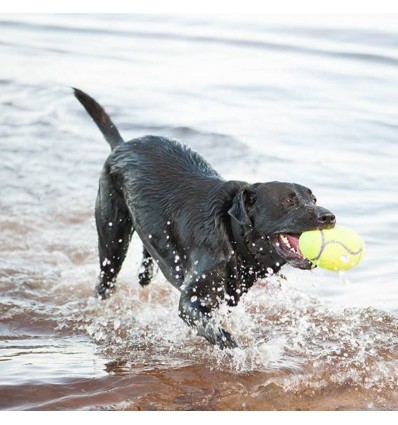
(211, 238)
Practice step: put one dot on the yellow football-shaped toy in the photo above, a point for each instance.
(334, 249)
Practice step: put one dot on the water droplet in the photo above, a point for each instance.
(116, 324)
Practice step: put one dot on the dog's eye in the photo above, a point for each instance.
(290, 201)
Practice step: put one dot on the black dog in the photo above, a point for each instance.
(211, 238)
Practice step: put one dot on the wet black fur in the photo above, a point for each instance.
(210, 237)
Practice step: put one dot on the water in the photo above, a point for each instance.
(306, 99)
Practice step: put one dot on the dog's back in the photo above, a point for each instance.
(174, 162)
(146, 153)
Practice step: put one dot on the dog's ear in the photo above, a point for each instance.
(241, 206)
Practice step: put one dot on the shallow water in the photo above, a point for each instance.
(307, 99)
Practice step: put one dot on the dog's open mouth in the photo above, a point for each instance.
(287, 246)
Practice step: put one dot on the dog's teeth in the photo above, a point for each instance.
(285, 240)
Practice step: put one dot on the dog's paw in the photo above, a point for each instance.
(144, 278)
(217, 336)
(104, 291)
(225, 340)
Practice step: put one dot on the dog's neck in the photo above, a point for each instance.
(241, 245)
(251, 263)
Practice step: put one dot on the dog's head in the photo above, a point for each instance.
(273, 215)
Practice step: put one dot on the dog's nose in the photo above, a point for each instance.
(326, 218)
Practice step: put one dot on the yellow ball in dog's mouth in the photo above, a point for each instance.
(334, 249)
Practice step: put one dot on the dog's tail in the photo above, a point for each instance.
(100, 117)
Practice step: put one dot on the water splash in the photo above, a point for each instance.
(308, 342)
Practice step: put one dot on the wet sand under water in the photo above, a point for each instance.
(189, 388)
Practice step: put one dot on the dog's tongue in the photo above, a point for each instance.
(293, 241)
(287, 247)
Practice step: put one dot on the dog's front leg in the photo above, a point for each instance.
(198, 299)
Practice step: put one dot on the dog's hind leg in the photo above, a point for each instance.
(146, 271)
(115, 230)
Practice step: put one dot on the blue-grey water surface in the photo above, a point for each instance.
(307, 99)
